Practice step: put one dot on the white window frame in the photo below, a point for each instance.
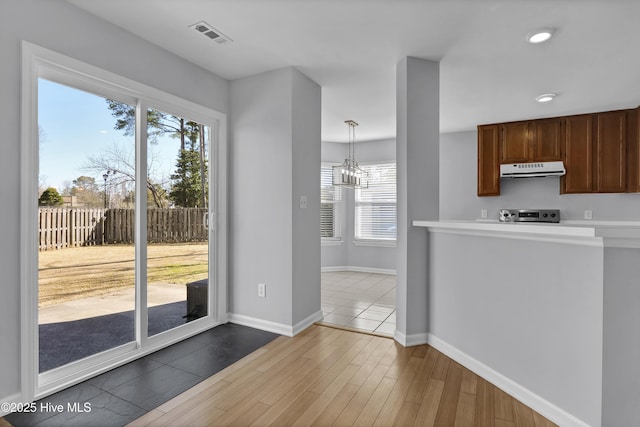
(337, 208)
(381, 242)
(38, 62)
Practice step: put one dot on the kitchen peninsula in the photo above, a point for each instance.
(548, 312)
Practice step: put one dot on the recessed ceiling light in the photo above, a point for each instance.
(545, 97)
(540, 36)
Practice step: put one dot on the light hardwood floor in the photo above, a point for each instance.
(326, 376)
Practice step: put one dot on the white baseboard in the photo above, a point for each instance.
(524, 395)
(400, 338)
(265, 325)
(305, 323)
(14, 398)
(358, 269)
(334, 268)
(276, 328)
(410, 340)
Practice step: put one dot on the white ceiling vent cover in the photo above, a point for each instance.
(210, 32)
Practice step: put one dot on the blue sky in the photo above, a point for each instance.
(77, 125)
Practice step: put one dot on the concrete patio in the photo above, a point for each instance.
(77, 329)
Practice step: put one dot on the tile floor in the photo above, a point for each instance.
(362, 301)
(123, 394)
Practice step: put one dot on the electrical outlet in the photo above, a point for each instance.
(588, 214)
(483, 213)
(262, 290)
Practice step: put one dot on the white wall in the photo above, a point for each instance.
(458, 199)
(274, 159)
(347, 254)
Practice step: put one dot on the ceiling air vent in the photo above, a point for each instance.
(210, 32)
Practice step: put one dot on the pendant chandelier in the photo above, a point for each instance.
(349, 174)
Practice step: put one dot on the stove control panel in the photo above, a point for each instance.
(529, 215)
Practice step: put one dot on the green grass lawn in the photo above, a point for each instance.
(76, 273)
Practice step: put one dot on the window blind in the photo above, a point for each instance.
(329, 204)
(375, 206)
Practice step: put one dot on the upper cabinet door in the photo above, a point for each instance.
(514, 142)
(611, 152)
(547, 138)
(488, 161)
(633, 150)
(578, 155)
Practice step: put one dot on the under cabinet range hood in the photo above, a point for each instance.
(529, 170)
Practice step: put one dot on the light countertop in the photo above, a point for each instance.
(614, 233)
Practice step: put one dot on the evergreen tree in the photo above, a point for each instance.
(186, 186)
(50, 197)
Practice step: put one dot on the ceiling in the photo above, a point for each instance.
(488, 72)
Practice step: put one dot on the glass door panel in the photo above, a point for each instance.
(86, 286)
(177, 221)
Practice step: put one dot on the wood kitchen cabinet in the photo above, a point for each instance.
(514, 142)
(547, 136)
(633, 150)
(594, 153)
(610, 157)
(531, 141)
(600, 151)
(578, 155)
(488, 161)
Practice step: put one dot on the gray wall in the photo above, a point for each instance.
(417, 159)
(274, 155)
(306, 221)
(348, 254)
(59, 26)
(458, 199)
(621, 372)
(532, 311)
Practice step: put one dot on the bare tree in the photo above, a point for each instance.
(121, 164)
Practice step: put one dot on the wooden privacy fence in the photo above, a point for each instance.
(62, 228)
(70, 227)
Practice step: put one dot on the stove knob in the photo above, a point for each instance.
(553, 215)
(544, 215)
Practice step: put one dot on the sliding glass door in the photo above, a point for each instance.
(122, 233)
(177, 220)
(86, 268)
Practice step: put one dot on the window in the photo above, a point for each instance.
(375, 206)
(330, 197)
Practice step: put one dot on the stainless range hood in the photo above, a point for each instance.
(529, 170)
